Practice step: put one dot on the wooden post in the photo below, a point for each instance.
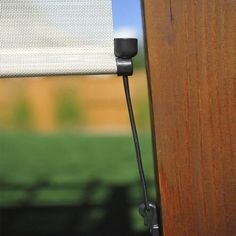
(192, 83)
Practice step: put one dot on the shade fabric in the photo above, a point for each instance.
(49, 37)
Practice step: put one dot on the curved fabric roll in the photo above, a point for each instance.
(49, 37)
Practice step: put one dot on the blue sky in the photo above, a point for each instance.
(127, 17)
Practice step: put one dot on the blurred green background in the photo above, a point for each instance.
(55, 170)
(67, 160)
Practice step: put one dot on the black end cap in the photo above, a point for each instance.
(126, 48)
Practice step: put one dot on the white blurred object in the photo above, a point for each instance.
(49, 37)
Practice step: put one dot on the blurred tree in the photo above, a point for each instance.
(68, 110)
(21, 114)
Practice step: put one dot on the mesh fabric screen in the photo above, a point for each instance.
(46, 37)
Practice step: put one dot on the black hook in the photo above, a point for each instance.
(150, 217)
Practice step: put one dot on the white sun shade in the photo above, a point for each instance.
(50, 37)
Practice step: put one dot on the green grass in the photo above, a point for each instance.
(67, 169)
(65, 159)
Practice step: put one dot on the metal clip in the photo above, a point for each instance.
(150, 217)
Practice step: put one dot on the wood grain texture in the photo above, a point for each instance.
(192, 83)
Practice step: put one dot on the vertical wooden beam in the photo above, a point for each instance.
(192, 76)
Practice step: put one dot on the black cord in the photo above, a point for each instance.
(136, 141)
